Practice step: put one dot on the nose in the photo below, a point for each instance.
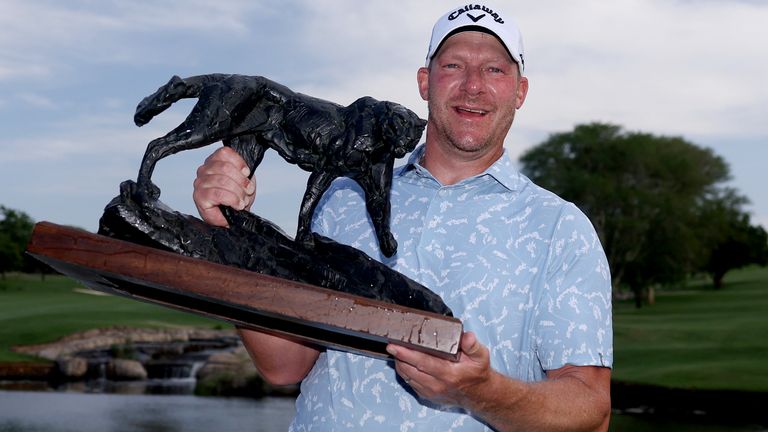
(473, 81)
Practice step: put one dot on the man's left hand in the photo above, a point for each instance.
(443, 381)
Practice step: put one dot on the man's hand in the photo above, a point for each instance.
(223, 180)
(572, 398)
(443, 381)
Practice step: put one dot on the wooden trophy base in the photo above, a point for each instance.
(244, 298)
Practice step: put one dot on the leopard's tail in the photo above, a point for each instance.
(173, 91)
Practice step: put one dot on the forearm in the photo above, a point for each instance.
(573, 398)
(280, 361)
(566, 402)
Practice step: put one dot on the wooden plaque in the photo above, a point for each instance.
(241, 297)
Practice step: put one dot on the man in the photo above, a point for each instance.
(521, 268)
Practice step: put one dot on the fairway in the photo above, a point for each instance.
(698, 337)
(34, 311)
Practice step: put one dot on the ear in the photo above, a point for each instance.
(522, 91)
(422, 78)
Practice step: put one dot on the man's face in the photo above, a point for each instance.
(473, 88)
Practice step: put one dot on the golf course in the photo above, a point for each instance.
(693, 338)
(697, 337)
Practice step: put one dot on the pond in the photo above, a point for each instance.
(25, 411)
(57, 411)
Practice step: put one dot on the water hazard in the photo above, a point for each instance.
(62, 411)
(24, 411)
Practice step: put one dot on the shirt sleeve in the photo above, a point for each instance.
(573, 319)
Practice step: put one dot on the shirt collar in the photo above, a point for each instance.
(502, 171)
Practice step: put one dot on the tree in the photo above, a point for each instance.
(9, 255)
(15, 231)
(731, 240)
(639, 190)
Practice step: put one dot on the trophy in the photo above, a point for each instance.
(251, 274)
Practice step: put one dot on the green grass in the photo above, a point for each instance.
(698, 337)
(34, 311)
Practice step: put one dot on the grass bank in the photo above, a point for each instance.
(697, 337)
(35, 311)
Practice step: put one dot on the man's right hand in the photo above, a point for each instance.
(223, 180)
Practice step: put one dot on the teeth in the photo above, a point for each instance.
(472, 110)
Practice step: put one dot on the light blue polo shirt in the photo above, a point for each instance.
(520, 267)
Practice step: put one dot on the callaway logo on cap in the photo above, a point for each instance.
(482, 18)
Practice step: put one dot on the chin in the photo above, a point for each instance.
(472, 146)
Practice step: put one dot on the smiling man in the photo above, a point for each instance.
(522, 269)
(473, 87)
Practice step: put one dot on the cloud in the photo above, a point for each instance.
(77, 19)
(105, 134)
(36, 101)
(71, 73)
(40, 39)
(670, 67)
(664, 66)
(761, 220)
(10, 69)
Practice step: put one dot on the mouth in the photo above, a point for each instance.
(470, 112)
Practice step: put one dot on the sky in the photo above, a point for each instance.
(72, 73)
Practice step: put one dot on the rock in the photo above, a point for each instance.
(171, 349)
(229, 373)
(237, 362)
(72, 367)
(25, 371)
(125, 370)
(236, 359)
(105, 338)
(233, 373)
(137, 354)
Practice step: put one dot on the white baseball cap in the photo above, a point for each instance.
(481, 18)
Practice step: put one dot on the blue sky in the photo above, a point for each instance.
(71, 74)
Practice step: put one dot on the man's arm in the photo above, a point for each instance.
(573, 398)
(279, 361)
(223, 180)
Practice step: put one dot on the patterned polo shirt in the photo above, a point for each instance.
(519, 266)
